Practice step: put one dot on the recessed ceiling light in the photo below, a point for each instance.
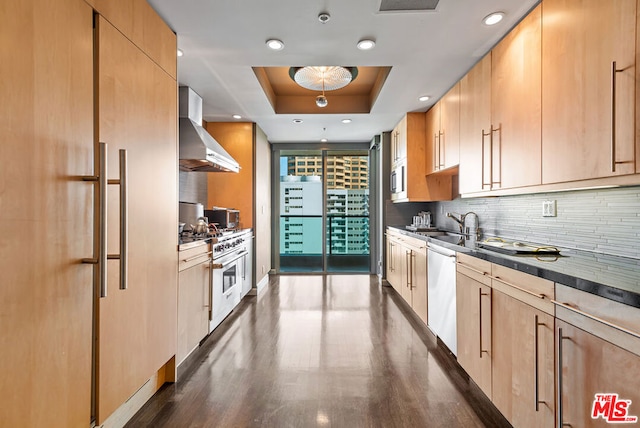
(324, 140)
(424, 98)
(366, 44)
(237, 116)
(346, 120)
(275, 44)
(493, 18)
(297, 120)
(180, 53)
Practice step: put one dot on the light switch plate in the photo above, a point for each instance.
(549, 209)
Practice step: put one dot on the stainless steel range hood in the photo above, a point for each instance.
(199, 151)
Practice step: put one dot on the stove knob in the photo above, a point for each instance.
(227, 245)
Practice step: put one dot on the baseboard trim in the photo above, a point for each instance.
(260, 286)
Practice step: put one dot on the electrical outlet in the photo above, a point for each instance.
(549, 209)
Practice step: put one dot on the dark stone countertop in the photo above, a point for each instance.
(612, 277)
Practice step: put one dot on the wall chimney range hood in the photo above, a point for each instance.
(199, 151)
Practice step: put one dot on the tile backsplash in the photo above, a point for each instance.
(603, 221)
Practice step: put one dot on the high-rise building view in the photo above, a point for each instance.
(347, 205)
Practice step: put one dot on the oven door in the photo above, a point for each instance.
(226, 283)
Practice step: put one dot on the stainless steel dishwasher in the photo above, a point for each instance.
(441, 294)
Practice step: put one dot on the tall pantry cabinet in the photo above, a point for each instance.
(46, 145)
(78, 81)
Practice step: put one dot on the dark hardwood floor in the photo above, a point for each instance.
(320, 351)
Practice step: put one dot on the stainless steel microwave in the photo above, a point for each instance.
(224, 218)
(398, 182)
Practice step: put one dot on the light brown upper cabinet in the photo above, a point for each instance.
(588, 89)
(411, 130)
(475, 128)
(399, 141)
(443, 132)
(516, 104)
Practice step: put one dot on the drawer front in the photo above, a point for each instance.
(193, 256)
(529, 289)
(612, 321)
(474, 268)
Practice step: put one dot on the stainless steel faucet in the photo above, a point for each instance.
(464, 229)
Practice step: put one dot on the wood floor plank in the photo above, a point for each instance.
(325, 351)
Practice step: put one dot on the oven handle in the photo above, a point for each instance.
(228, 262)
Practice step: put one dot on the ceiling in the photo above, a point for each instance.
(428, 51)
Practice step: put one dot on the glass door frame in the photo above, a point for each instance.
(323, 148)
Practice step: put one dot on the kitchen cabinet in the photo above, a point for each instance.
(476, 152)
(473, 319)
(416, 268)
(249, 190)
(410, 142)
(588, 110)
(589, 365)
(407, 270)
(194, 299)
(399, 142)
(136, 326)
(598, 352)
(516, 104)
(443, 131)
(523, 362)
(394, 263)
(77, 82)
(46, 220)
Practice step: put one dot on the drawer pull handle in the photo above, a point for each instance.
(472, 269)
(595, 318)
(197, 257)
(538, 295)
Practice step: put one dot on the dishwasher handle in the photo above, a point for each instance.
(430, 248)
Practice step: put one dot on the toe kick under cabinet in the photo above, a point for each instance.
(194, 298)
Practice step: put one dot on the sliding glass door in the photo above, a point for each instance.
(324, 211)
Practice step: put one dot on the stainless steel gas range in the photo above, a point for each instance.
(231, 273)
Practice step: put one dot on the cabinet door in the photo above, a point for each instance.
(419, 282)
(515, 105)
(193, 307)
(432, 133)
(46, 216)
(137, 111)
(473, 318)
(523, 362)
(593, 366)
(394, 263)
(475, 128)
(450, 128)
(579, 140)
(401, 139)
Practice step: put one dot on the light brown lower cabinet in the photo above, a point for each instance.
(473, 318)
(523, 362)
(194, 302)
(587, 366)
(407, 270)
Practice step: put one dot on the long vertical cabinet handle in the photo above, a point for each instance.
(436, 151)
(101, 179)
(441, 137)
(614, 71)
(409, 267)
(499, 130)
(559, 369)
(490, 135)
(391, 257)
(480, 294)
(536, 369)
(124, 221)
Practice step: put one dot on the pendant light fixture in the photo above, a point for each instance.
(323, 78)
